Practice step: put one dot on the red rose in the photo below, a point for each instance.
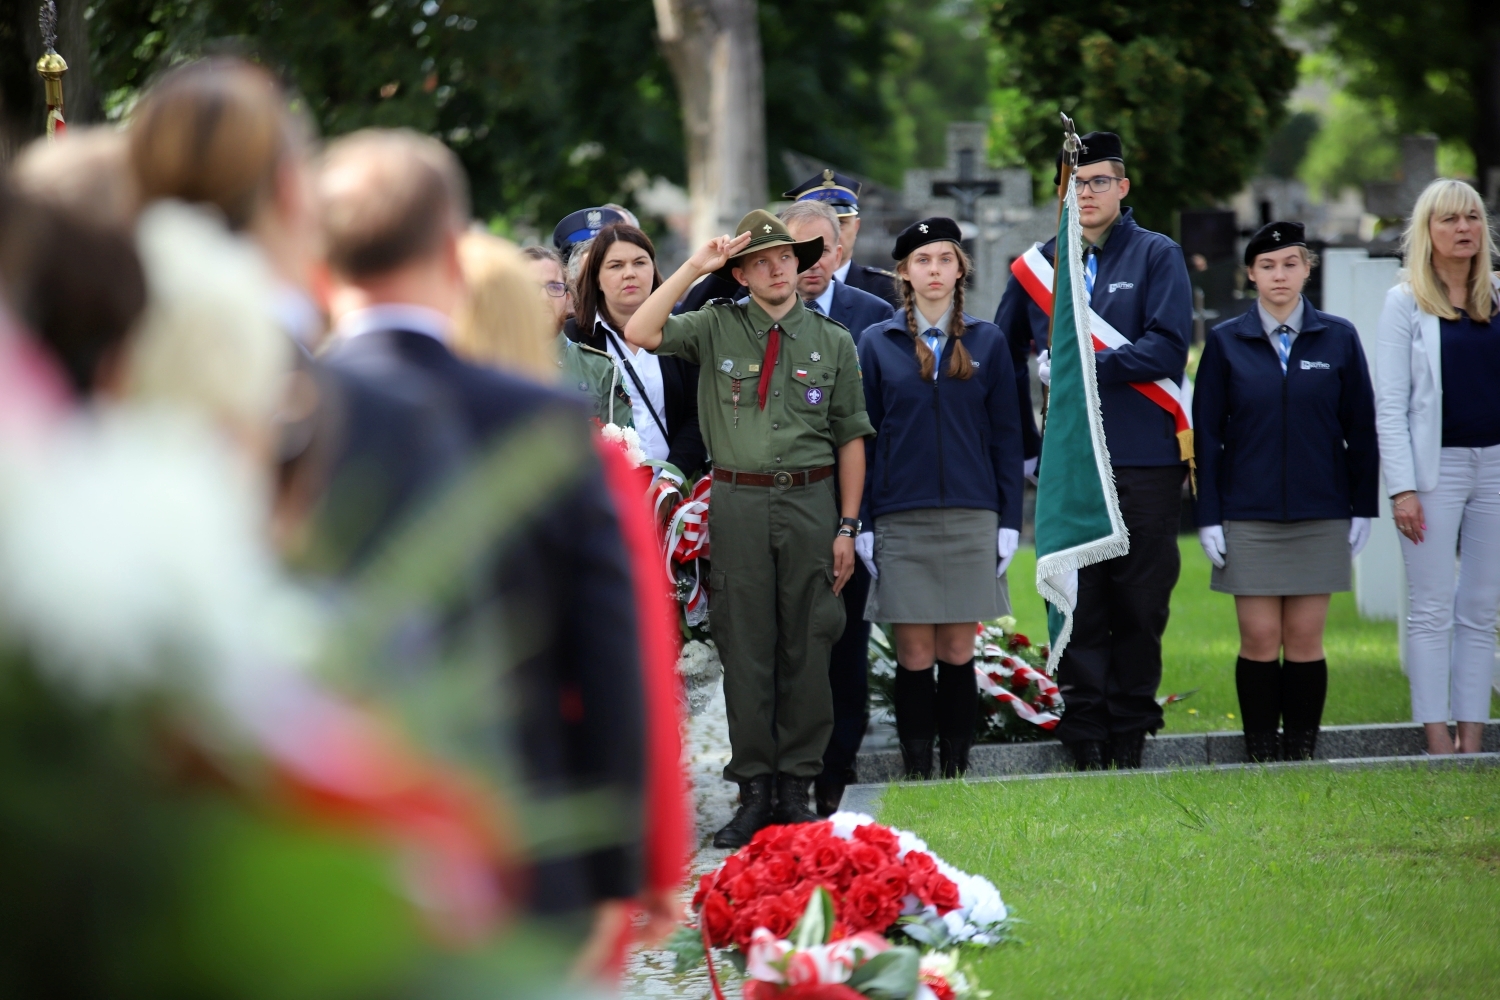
(731, 868)
(777, 872)
(718, 919)
(866, 858)
(1019, 641)
(704, 885)
(823, 860)
(878, 836)
(866, 907)
(942, 893)
(893, 882)
(938, 985)
(743, 887)
(919, 864)
(810, 833)
(783, 840)
(778, 914)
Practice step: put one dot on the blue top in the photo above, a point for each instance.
(857, 309)
(945, 442)
(1142, 289)
(1285, 447)
(1471, 375)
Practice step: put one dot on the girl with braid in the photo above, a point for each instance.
(942, 501)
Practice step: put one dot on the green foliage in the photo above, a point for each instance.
(1263, 882)
(1287, 146)
(1359, 141)
(1192, 89)
(890, 975)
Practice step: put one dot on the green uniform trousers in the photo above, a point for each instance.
(775, 619)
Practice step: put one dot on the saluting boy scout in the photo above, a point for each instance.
(780, 394)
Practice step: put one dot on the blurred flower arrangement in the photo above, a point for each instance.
(871, 900)
(1020, 702)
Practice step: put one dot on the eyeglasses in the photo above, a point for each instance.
(556, 289)
(1098, 185)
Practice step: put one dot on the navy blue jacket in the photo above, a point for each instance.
(1293, 447)
(1142, 290)
(944, 443)
(857, 309)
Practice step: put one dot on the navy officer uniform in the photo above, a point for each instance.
(582, 226)
(1111, 669)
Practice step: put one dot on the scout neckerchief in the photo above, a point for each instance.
(773, 348)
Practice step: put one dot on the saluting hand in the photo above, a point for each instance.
(717, 252)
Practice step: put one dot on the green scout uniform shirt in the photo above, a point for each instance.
(816, 402)
(593, 373)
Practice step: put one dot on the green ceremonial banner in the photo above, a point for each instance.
(1078, 520)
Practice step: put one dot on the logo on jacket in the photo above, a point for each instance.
(1308, 365)
(1113, 285)
(726, 366)
(814, 396)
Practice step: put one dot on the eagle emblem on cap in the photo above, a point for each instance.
(766, 227)
(595, 219)
(922, 228)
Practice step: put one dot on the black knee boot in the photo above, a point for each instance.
(1304, 687)
(1259, 685)
(957, 714)
(916, 720)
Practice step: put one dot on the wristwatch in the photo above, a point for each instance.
(848, 527)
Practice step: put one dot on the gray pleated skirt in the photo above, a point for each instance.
(1284, 558)
(937, 566)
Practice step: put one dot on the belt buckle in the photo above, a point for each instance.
(783, 480)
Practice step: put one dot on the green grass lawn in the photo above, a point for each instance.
(1253, 883)
(1365, 683)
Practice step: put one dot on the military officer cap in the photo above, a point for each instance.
(768, 231)
(919, 234)
(1275, 236)
(840, 192)
(583, 225)
(1099, 147)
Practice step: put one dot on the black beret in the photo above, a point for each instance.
(581, 226)
(1274, 236)
(1098, 147)
(919, 234)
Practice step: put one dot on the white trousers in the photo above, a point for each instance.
(1450, 627)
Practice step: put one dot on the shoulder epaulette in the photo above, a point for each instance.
(723, 300)
(880, 271)
(827, 318)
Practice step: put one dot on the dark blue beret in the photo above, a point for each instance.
(1098, 147)
(919, 234)
(1274, 236)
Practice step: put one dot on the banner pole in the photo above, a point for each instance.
(1071, 148)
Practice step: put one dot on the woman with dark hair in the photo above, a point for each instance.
(1287, 478)
(943, 490)
(620, 274)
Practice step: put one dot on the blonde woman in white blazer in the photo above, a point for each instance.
(1440, 453)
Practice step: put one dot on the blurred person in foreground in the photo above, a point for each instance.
(355, 455)
(504, 324)
(618, 276)
(1437, 365)
(1288, 476)
(553, 591)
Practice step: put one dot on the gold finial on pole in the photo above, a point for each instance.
(51, 68)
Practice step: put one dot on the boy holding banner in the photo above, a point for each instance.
(1139, 318)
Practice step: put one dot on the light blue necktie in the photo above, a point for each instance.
(1090, 270)
(1283, 344)
(934, 335)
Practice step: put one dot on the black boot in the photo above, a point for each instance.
(1261, 748)
(754, 812)
(827, 794)
(916, 719)
(1304, 687)
(792, 800)
(1125, 749)
(916, 760)
(1088, 755)
(957, 714)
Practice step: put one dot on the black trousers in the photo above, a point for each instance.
(1111, 669)
(848, 676)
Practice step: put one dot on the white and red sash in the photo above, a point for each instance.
(1035, 275)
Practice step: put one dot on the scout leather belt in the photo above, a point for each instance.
(1035, 275)
(780, 480)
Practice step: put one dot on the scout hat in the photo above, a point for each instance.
(582, 225)
(840, 192)
(1275, 236)
(769, 231)
(1098, 147)
(919, 234)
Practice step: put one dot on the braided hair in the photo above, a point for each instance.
(960, 365)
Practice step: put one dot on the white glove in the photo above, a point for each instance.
(1359, 534)
(1212, 540)
(1044, 367)
(1006, 545)
(864, 547)
(1028, 469)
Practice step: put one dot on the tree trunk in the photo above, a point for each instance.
(713, 48)
(1486, 136)
(23, 104)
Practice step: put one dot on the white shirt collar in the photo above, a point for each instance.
(1269, 323)
(842, 274)
(941, 325)
(825, 301)
(395, 316)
